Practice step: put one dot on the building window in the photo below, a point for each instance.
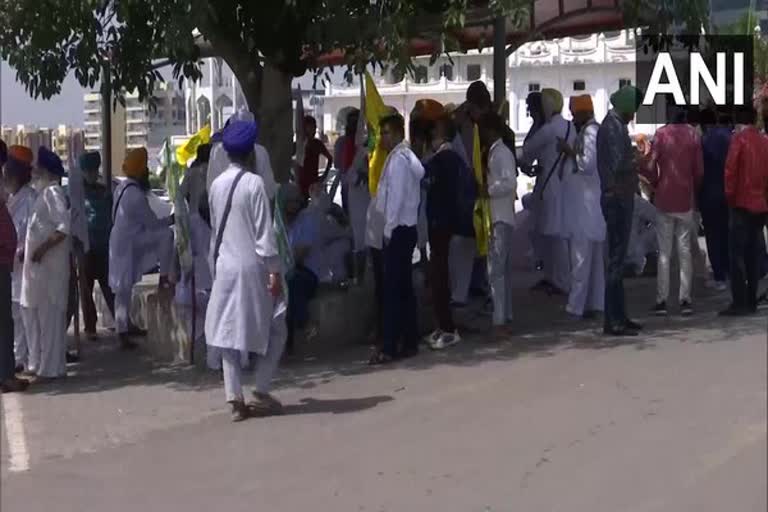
(534, 87)
(612, 34)
(579, 85)
(474, 72)
(446, 70)
(421, 75)
(623, 82)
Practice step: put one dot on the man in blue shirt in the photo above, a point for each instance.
(714, 210)
(97, 212)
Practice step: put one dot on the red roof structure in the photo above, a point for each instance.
(548, 19)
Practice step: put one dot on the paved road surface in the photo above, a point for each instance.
(555, 419)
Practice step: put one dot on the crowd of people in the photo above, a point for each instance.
(261, 250)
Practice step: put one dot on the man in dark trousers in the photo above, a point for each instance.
(746, 187)
(618, 180)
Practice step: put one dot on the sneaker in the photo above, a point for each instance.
(686, 309)
(660, 309)
(630, 324)
(446, 339)
(432, 338)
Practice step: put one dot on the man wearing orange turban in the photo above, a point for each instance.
(581, 204)
(137, 243)
(22, 199)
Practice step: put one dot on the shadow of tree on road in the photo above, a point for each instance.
(541, 329)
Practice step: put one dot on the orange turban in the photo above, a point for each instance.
(22, 154)
(582, 103)
(135, 163)
(428, 110)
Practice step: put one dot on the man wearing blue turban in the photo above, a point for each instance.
(45, 277)
(246, 311)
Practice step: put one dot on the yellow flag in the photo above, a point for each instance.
(482, 217)
(375, 110)
(188, 151)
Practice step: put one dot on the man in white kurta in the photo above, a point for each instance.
(502, 190)
(584, 222)
(219, 161)
(20, 205)
(246, 311)
(45, 276)
(548, 190)
(139, 241)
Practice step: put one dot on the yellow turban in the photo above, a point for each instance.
(428, 110)
(552, 102)
(135, 163)
(581, 103)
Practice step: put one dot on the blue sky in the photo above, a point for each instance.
(19, 108)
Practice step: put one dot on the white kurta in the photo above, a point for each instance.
(139, 240)
(358, 196)
(584, 226)
(542, 146)
(220, 162)
(20, 206)
(47, 282)
(45, 285)
(241, 309)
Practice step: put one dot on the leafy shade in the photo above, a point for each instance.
(44, 40)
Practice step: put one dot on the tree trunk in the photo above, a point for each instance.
(276, 120)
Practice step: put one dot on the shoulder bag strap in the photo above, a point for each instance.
(555, 165)
(120, 198)
(227, 209)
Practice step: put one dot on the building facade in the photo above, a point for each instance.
(596, 64)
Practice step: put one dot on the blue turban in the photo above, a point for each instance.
(90, 161)
(240, 137)
(50, 161)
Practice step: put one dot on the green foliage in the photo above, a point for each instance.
(43, 40)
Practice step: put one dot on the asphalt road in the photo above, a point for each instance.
(556, 418)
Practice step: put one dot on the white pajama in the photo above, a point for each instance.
(266, 365)
(46, 327)
(20, 347)
(671, 229)
(123, 299)
(500, 267)
(587, 277)
(557, 264)
(461, 258)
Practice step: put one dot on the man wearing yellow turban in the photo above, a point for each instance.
(139, 241)
(552, 226)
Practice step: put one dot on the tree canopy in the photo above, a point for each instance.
(43, 40)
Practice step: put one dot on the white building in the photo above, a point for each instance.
(596, 64)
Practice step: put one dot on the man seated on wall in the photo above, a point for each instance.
(321, 246)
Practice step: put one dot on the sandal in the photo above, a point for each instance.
(380, 358)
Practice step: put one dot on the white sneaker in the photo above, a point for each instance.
(447, 339)
(432, 338)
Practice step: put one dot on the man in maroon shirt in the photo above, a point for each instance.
(314, 148)
(675, 169)
(8, 381)
(746, 188)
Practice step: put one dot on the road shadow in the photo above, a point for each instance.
(541, 329)
(342, 406)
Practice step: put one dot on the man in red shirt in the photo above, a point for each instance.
(314, 148)
(675, 170)
(746, 188)
(8, 380)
